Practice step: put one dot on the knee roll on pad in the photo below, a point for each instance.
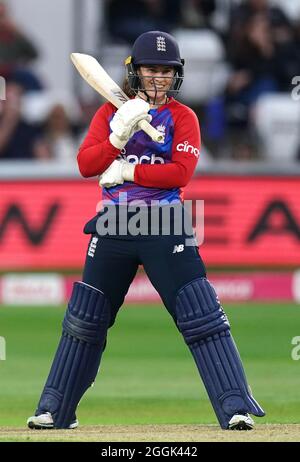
(77, 358)
(206, 330)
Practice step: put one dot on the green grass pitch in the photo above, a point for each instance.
(147, 374)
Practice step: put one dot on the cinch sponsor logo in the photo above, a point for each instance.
(153, 159)
(186, 147)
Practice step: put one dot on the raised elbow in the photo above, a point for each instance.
(83, 167)
(183, 184)
(183, 178)
(83, 171)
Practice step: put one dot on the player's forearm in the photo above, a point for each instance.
(167, 176)
(94, 160)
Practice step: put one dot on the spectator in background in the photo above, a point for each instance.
(287, 42)
(264, 58)
(297, 45)
(253, 61)
(59, 139)
(255, 71)
(126, 20)
(286, 52)
(197, 13)
(16, 50)
(242, 12)
(18, 139)
(297, 31)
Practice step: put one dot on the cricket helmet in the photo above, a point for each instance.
(155, 48)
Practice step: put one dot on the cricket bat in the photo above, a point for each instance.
(94, 74)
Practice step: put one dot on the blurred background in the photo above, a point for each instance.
(242, 78)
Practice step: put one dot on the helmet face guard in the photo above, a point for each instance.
(136, 84)
(154, 48)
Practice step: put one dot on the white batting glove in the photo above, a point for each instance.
(112, 175)
(125, 121)
(118, 172)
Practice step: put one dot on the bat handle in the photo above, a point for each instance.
(154, 134)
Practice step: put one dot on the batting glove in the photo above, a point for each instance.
(125, 121)
(118, 172)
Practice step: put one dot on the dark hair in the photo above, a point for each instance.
(127, 89)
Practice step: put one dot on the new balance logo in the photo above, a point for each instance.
(161, 43)
(178, 248)
(92, 247)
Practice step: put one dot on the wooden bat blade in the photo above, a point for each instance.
(93, 73)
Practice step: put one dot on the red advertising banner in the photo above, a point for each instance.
(41, 223)
(248, 221)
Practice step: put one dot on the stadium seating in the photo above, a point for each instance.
(205, 70)
(277, 122)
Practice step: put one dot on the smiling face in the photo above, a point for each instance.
(156, 81)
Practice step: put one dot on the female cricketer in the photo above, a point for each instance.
(133, 169)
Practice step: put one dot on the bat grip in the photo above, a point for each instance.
(154, 134)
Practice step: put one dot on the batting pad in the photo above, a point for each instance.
(206, 330)
(77, 359)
